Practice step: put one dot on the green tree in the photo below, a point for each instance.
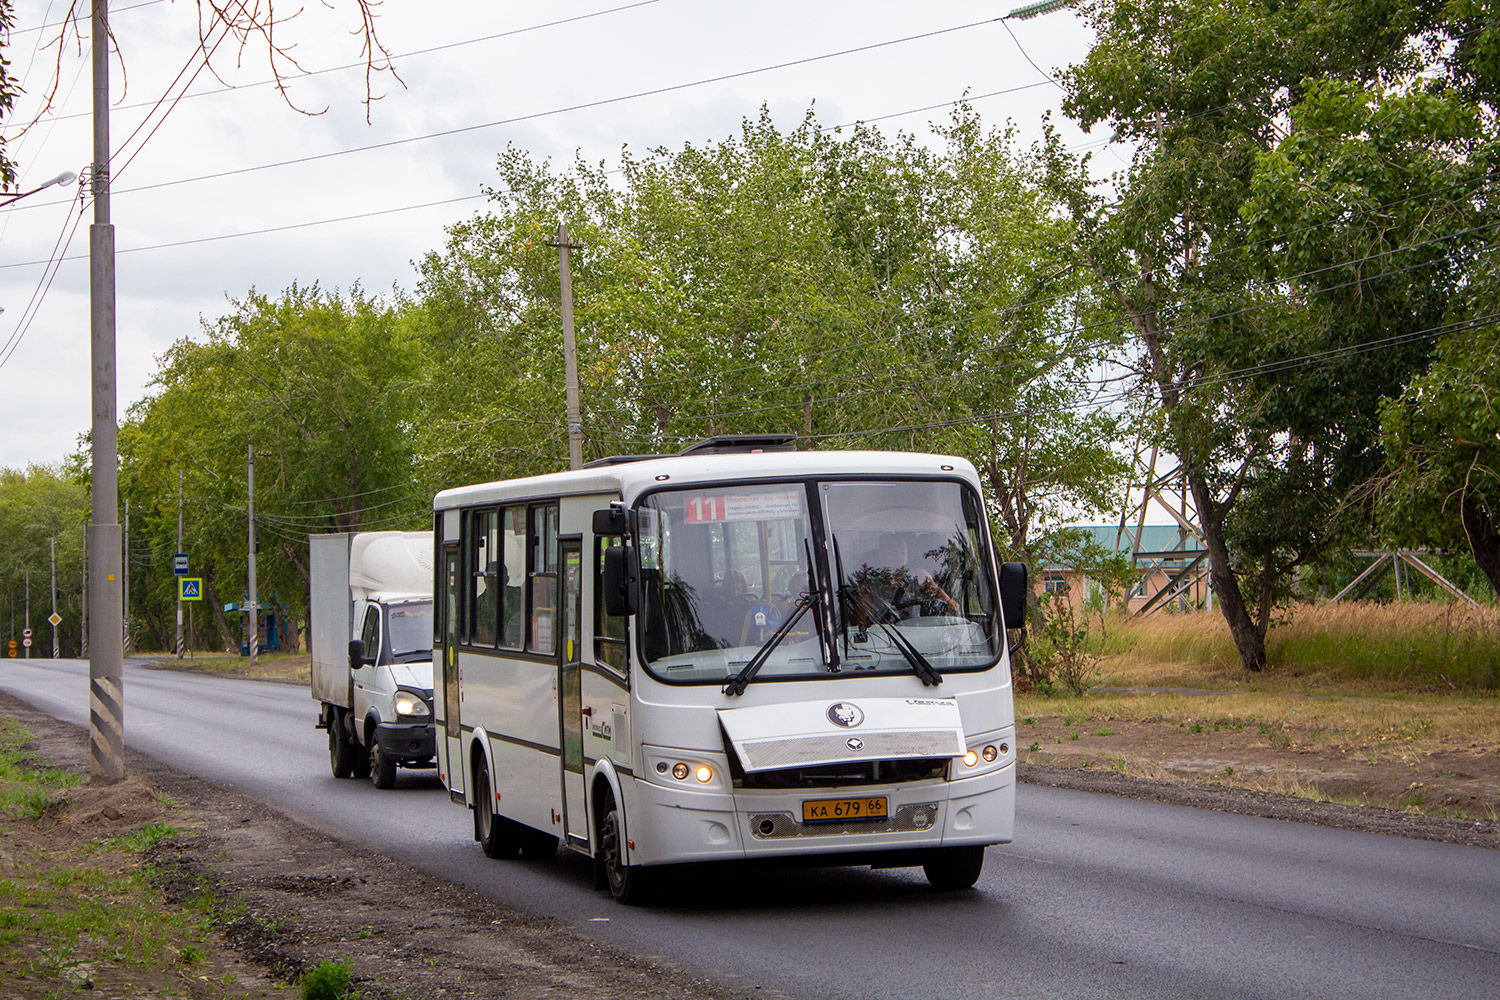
(853, 289)
(1267, 365)
(322, 385)
(38, 505)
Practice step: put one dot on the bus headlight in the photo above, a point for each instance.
(677, 768)
(983, 754)
(409, 704)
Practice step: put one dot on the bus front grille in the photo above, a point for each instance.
(842, 775)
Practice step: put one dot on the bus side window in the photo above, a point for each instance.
(610, 644)
(543, 579)
(513, 575)
(484, 581)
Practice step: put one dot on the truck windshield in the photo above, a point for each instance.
(723, 567)
(411, 630)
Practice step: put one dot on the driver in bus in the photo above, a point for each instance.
(889, 587)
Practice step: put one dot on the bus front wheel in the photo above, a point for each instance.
(630, 884)
(954, 867)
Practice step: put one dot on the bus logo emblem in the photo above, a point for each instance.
(845, 715)
(855, 743)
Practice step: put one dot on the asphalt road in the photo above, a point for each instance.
(1098, 896)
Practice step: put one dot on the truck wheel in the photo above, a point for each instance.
(497, 836)
(359, 760)
(382, 768)
(630, 884)
(954, 867)
(340, 753)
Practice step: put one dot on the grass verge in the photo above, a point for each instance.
(78, 909)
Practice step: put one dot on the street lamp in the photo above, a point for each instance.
(66, 177)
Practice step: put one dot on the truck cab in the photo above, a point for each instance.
(390, 669)
(371, 631)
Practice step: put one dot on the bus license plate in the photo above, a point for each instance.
(843, 810)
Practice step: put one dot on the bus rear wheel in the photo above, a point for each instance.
(954, 867)
(630, 884)
(498, 837)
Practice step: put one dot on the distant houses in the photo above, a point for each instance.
(1172, 561)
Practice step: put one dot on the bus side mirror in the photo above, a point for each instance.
(1013, 594)
(619, 583)
(612, 522)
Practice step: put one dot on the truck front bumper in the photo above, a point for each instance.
(407, 741)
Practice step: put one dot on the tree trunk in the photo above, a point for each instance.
(1249, 640)
(1484, 537)
(226, 635)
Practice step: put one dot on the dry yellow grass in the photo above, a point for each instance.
(1380, 677)
(1399, 647)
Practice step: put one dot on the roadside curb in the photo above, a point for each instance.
(1267, 805)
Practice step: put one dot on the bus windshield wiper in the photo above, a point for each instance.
(919, 663)
(741, 680)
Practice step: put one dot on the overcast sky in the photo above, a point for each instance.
(211, 204)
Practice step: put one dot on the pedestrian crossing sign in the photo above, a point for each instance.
(189, 588)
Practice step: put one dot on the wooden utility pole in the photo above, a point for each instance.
(570, 351)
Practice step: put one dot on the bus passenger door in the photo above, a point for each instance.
(570, 656)
(449, 734)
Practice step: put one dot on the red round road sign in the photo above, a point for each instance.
(26, 643)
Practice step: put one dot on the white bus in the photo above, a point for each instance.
(741, 652)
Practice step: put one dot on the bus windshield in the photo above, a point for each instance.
(895, 574)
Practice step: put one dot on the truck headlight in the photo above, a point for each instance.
(407, 703)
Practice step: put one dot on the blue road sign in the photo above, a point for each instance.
(190, 588)
(179, 564)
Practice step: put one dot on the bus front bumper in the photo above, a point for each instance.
(675, 825)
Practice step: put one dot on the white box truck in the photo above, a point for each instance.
(372, 650)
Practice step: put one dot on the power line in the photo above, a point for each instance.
(293, 78)
(1076, 355)
(586, 105)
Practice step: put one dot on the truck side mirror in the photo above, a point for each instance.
(1013, 594)
(619, 582)
(357, 656)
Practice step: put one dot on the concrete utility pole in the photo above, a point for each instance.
(179, 549)
(106, 650)
(252, 609)
(570, 351)
(125, 557)
(52, 619)
(83, 599)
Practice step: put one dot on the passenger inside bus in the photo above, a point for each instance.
(888, 586)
